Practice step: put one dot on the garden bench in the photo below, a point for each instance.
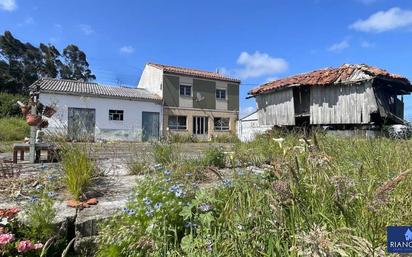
(23, 147)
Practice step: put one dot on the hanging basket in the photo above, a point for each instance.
(33, 119)
(49, 111)
(43, 124)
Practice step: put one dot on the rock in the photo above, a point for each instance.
(73, 203)
(86, 246)
(92, 201)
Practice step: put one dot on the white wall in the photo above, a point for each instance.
(129, 129)
(249, 127)
(152, 80)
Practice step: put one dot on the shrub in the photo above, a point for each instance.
(214, 156)
(164, 153)
(13, 128)
(225, 138)
(151, 220)
(8, 104)
(182, 138)
(78, 169)
(39, 216)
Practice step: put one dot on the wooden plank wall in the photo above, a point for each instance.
(345, 104)
(276, 108)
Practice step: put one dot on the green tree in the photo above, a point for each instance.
(76, 66)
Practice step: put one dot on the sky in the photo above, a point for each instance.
(255, 41)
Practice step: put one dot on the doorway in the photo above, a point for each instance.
(150, 126)
(81, 124)
(200, 125)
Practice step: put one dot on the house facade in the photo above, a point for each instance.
(350, 96)
(199, 103)
(90, 111)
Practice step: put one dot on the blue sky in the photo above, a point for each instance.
(255, 41)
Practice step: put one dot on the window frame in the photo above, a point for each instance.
(114, 113)
(221, 127)
(218, 94)
(178, 126)
(185, 89)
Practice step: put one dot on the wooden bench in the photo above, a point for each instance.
(51, 149)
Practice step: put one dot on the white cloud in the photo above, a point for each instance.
(259, 64)
(384, 21)
(86, 29)
(367, 44)
(339, 47)
(246, 110)
(8, 5)
(127, 49)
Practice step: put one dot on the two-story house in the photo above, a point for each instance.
(198, 102)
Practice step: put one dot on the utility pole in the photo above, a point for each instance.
(33, 129)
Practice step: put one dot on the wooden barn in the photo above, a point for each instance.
(350, 96)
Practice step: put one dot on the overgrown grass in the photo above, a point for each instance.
(13, 128)
(319, 196)
(78, 169)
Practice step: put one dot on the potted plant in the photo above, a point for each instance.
(33, 119)
(48, 111)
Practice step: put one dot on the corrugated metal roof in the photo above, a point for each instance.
(193, 72)
(343, 74)
(88, 88)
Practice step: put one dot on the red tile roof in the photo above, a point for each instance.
(193, 72)
(343, 74)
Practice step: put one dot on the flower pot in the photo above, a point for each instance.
(24, 109)
(49, 111)
(43, 124)
(33, 119)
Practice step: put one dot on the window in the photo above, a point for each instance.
(116, 114)
(221, 94)
(221, 124)
(177, 122)
(185, 90)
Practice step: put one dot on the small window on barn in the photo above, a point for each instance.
(220, 94)
(116, 114)
(221, 124)
(185, 90)
(177, 122)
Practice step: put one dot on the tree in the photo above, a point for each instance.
(21, 64)
(76, 66)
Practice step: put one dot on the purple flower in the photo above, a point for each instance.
(190, 225)
(147, 201)
(189, 174)
(167, 180)
(158, 206)
(167, 172)
(51, 194)
(149, 212)
(227, 182)
(204, 207)
(33, 199)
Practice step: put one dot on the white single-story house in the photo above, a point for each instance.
(248, 127)
(93, 111)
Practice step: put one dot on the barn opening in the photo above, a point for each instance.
(301, 100)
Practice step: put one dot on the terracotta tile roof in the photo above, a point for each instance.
(343, 74)
(193, 72)
(63, 86)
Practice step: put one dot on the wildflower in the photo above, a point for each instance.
(6, 238)
(204, 207)
(51, 177)
(189, 174)
(24, 246)
(149, 212)
(227, 182)
(195, 185)
(39, 186)
(167, 180)
(158, 167)
(125, 209)
(38, 246)
(158, 206)
(147, 201)
(131, 212)
(279, 141)
(283, 191)
(51, 194)
(167, 172)
(4, 221)
(190, 225)
(179, 193)
(209, 247)
(33, 199)
(174, 188)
